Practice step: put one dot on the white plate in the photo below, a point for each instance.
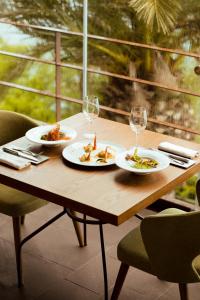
(34, 135)
(74, 151)
(163, 161)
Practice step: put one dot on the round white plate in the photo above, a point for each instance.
(163, 161)
(74, 151)
(34, 135)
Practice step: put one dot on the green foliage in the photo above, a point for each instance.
(159, 15)
(39, 77)
(187, 191)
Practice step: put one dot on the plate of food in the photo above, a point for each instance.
(51, 135)
(142, 161)
(93, 154)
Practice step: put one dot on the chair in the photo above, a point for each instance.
(163, 245)
(13, 202)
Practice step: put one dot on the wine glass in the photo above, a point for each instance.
(138, 121)
(90, 110)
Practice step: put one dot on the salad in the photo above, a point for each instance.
(141, 162)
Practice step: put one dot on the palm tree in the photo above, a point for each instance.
(158, 15)
(160, 22)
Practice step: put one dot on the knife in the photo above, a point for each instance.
(173, 156)
(176, 157)
(20, 154)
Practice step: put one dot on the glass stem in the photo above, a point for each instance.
(136, 139)
(90, 126)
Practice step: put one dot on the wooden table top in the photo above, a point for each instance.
(110, 194)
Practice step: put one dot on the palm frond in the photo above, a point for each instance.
(159, 13)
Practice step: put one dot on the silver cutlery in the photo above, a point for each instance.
(27, 151)
(20, 154)
(177, 161)
(175, 158)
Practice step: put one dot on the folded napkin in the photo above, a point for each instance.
(178, 150)
(13, 161)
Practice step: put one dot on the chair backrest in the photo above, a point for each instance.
(14, 125)
(171, 242)
(198, 191)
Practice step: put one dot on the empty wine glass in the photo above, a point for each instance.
(138, 121)
(90, 110)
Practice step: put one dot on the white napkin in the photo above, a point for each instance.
(179, 150)
(13, 161)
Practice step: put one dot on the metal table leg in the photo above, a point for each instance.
(85, 221)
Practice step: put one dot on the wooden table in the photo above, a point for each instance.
(110, 194)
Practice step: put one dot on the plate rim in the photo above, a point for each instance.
(142, 171)
(49, 143)
(96, 164)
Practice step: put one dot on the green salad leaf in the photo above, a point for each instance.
(141, 162)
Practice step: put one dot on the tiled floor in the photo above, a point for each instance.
(55, 268)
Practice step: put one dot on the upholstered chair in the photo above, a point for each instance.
(164, 245)
(14, 203)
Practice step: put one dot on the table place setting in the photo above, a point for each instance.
(14, 161)
(26, 154)
(46, 136)
(142, 160)
(179, 156)
(92, 152)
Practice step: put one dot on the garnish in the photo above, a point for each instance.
(95, 142)
(104, 155)
(85, 157)
(91, 155)
(141, 162)
(55, 134)
(90, 147)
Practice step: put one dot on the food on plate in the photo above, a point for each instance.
(88, 148)
(55, 134)
(141, 162)
(93, 154)
(85, 157)
(103, 155)
(91, 147)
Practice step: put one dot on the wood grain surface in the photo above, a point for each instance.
(108, 193)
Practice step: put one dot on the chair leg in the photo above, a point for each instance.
(77, 230)
(183, 291)
(22, 220)
(85, 230)
(119, 281)
(17, 240)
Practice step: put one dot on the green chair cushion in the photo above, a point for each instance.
(15, 203)
(171, 241)
(131, 251)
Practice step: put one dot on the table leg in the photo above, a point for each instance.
(77, 230)
(96, 222)
(104, 262)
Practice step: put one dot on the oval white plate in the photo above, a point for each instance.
(74, 151)
(34, 135)
(163, 161)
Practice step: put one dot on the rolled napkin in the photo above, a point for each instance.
(178, 150)
(13, 161)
